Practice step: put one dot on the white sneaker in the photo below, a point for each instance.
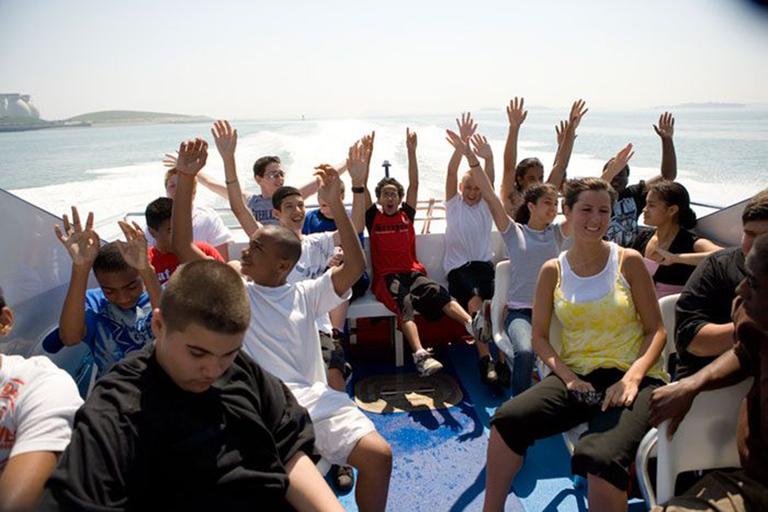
(426, 365)
(481, 323)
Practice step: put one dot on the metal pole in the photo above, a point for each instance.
(386, 165)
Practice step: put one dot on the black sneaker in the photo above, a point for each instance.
(342, 478)
(487, 369)
(504, 373)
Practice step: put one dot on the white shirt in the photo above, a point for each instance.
(207, 226)
(37, 406)
(467, 233)
(282, 336)
(316, 250)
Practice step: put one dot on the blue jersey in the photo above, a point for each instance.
(113, 332)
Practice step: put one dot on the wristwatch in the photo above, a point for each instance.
(358, 190)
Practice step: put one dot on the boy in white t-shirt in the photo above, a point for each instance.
(468, 255)
(282, 336)
(37, 406)
(317, 254)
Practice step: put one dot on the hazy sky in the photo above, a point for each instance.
(353, 58)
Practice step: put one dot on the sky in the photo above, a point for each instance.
(340, 59)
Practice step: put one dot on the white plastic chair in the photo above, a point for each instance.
(705, 439)
(498, 307)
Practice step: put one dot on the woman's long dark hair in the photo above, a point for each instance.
(674, 194)
(532, 195)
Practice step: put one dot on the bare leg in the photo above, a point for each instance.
(455, 311)
(339, 316)
(411, 334)
(336, 380)
(604, 496)
(372, 457)
(501, 467)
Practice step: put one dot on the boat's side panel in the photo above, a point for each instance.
(723, 226)
(34, 274)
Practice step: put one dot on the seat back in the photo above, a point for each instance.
(705, 439)
(667, 307)
(498, 304)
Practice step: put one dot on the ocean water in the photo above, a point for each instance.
(722, 154)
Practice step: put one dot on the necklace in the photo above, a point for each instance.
(600, 254)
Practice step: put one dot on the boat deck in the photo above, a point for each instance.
(439, 455)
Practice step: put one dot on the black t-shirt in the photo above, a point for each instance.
(706, 299)
(677, 273)
(142, 443)
(626, 211)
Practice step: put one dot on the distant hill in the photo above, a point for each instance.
(706, 105)
(136, 117)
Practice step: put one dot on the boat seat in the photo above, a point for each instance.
(705, 439)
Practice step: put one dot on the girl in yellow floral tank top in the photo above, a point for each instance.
(612, 337)
(602, 333)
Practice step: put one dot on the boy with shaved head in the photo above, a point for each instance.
(191, 422)
(282, 336)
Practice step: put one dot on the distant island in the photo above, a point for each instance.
(705, 105)
(135, 117)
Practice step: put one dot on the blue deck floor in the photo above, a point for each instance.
(439, 456)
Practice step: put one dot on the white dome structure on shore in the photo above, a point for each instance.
(18, 106)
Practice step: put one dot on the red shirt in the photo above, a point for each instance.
(393, 242)
(165, 263)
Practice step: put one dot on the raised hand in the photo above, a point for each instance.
(81, 244)
(482, 148)
(459, 144)
(192, 156)
(666, 126)
(357, 161)
(169, 160)
(577, 112)
(515, 112)
(225, 138)
(467, 126)
(329, 184)
(617, 163)
(410, 140)
(367, 145)
(134, 249)
(560, 132)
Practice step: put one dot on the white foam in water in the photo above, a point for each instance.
(115, 191)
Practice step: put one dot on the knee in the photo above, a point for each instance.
(378, 454)
(595, 457)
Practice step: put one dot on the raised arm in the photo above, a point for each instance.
(226, 143)
(617, 163)
(134, 252)
(346, 274)
(467, 128)
(356, 164)
(666, 130)
(82, 246)
(566, 136)
(516, 115)
(500, 217)
(367, 144)
(310, 188)
(412, 195)
(192, 157)
(483, 150)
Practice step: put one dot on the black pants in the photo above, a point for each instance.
(606, 449)
(415, 292)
